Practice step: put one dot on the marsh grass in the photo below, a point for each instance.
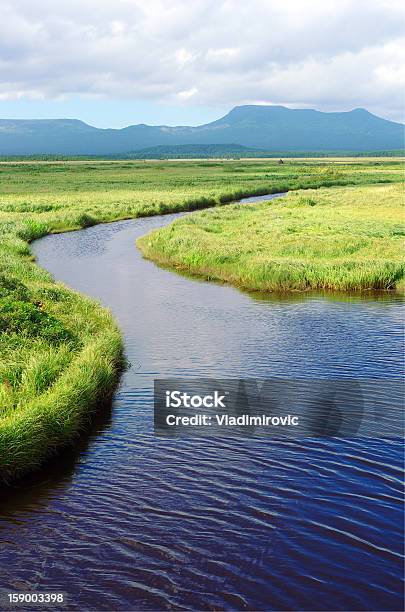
(343, 239)
(61, 353)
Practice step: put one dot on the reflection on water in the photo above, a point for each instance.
(135, 521)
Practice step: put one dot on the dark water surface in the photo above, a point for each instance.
(134, 522)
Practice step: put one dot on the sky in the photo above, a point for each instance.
(188, 62)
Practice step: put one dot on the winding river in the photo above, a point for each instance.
(133, 521)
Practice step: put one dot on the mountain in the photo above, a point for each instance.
(274, 128)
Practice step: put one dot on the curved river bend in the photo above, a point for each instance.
(133, 521)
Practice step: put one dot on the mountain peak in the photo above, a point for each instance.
(257, 109)
(361, 110)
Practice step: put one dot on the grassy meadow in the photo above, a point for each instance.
(61, 352)
(340, 238)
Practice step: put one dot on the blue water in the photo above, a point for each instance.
(133, 521)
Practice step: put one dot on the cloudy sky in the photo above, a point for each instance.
(117, 62)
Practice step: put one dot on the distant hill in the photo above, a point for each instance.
(227, 151)
(195, 150)
(271, 128)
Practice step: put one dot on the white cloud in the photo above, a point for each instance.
(186, 95)
(330, 55)
(183, 57)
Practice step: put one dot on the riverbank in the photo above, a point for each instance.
(61, 353)
(343, 238)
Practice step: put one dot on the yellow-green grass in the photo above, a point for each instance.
(342, 238)
(61, 352)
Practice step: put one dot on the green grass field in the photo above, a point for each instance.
(340, 238)
(61, 352)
